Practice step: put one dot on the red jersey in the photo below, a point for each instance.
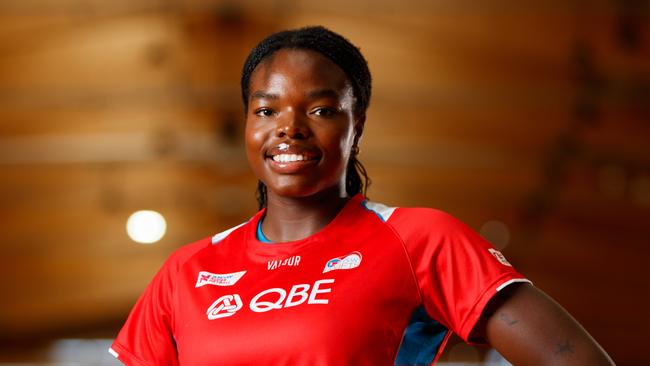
(376, 286)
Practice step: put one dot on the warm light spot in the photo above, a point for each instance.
(146, 226)
(496, 232)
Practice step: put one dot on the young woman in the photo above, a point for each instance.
(322, 276)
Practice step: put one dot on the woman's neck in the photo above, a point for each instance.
(295, 218)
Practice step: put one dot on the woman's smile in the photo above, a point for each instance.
(291, 158)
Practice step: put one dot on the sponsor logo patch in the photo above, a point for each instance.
(500, 257)
(278, 298)
(226, 305)
(274, 299)
(216, 279)
(352, 260)
(290, 262)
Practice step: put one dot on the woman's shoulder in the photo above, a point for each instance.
(423, 227)
(184, 253)
(411, 216)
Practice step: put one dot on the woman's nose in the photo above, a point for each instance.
(292, 126)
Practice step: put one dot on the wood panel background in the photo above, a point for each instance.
(534, 113)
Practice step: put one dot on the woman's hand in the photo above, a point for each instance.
(529, 328)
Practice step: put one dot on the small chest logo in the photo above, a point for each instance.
(289, 262)
(352, 260)
(500, 257)
(226, 305)
(216, 279)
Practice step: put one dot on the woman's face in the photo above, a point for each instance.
(300, 123)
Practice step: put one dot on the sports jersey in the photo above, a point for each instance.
(376, 286)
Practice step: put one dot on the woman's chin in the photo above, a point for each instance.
(296, 190)
(292, 191)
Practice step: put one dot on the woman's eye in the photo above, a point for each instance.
(264, 112)
(324, 112)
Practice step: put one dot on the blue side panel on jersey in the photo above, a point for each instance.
(422, 340)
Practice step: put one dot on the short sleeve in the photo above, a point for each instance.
(146, 339)
(457, 271)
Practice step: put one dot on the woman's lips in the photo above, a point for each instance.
(290, 163)
(291, 159)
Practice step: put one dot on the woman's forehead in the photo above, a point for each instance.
(298, 70)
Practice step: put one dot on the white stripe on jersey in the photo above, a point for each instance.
(381, 210)
(222, 235)
(503, 285)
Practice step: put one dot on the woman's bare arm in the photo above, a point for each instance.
(529, 328)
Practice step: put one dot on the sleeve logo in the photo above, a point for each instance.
(500, 257)
(352, 260)
(216, 279)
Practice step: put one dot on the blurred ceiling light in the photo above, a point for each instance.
(146, 226)
(496, 232)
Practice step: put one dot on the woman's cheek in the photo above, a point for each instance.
(347, 140)
(255, 138)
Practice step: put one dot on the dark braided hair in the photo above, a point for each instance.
(346, 56)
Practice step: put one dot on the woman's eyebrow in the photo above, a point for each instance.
(264, 95)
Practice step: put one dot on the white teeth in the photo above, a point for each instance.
(287, 158)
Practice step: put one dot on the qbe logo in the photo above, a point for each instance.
(273, 299)
(226, 305)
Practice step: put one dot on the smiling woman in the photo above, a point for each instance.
(322, 276)
(300, 125)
